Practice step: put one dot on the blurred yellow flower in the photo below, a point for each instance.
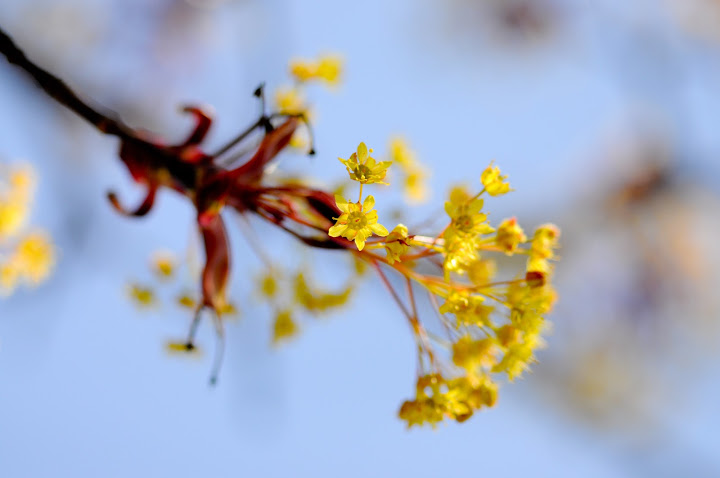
(327, 68)
(494, 182)
(284, 327)
(34, 257)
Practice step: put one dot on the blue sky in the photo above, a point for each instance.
(86, 388)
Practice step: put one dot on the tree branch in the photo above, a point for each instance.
(62, 93)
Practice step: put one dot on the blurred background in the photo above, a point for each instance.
(605, 116)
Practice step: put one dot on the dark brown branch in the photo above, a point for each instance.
(61, 93)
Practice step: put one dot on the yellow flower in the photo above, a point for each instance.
(358, 222)
(329, 68)
(544, 242)
(22, 180)
(141, 295)
(314, 300)
(284, 326)
(290, 101)
(268, 285)
(13, 215)
(481, 271)
(467, 220)
(228, 308)
(163, 264)
(363, 168)
(471, 354)
(517, 359)
(415, 186)
(9, 277)
(396, 243)
(303, 70)
(493, 181)
(469, 309)
(509, 235)
(186, 301)
(35, 258)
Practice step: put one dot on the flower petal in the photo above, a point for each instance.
(379, 229)
(362, 153)
(342, 203)
(337, 230)
(368, 204)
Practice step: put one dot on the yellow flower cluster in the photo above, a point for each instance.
(164, 266)
(25, 257)
(291, 100)
(288, 293)
(327, 68)
(492, 326)
(358, 220)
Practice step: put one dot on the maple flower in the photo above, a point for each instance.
(544, 242)
(509, 235)
(141, 295)
(314, 300)
(471, 354)
(358, 222)
(494, 182)
(396, 243)
(35, 258)
(467, 220)
(363, 168)
(9, 277)
(163, 264)
(284, 326)
(327, 68)
(290, 101)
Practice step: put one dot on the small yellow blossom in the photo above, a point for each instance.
(481, 271)
(303, 70)
(9, 277)
(542, 247)
(358, 222)
(141, 295)
(467, 220)
(459, 194)
(186, 301)
(290, 101)
(284, 326)
(396, 243)
(415, 186)
(508, 335)
(268, 285)
(163, 265)
(314, 300)
(363, 168)
(14, 212)
(228, 308)
(469, 309)
(509, 235)
(494, 182)
(471, 354)
(327, 68)
(35, 258)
